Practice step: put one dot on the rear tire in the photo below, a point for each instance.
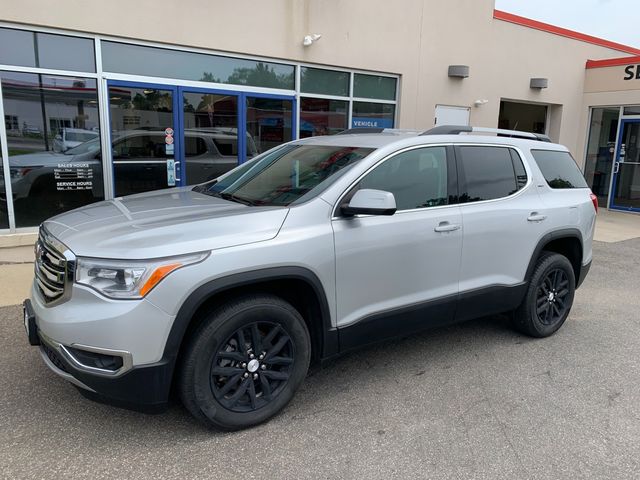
(549, 297)
(244, 362)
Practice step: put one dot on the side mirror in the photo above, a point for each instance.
(371, 202)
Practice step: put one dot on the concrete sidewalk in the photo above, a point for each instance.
(16, 263)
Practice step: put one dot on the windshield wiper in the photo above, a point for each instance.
(233, 198)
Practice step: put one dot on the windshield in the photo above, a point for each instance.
(284, 175)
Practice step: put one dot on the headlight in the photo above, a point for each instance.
(129, 278)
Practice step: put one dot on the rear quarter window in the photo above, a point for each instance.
(559, 169)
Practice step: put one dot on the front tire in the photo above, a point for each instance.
(549, 297)
(244, 363)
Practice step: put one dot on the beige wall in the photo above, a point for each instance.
(417, 39)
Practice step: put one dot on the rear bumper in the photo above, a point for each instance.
(584, 270)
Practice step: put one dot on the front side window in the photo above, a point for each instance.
(559, 169)
(285, 174)
(417, 178)
(488, 173)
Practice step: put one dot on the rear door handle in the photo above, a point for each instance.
(536, 217)
(447, 227)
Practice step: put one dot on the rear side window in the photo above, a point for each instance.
(488, 172)
(559, 169)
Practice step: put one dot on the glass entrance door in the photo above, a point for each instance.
(626, 173)
(210, 123)
(143, 141)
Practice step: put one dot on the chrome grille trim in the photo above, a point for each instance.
(54, 269)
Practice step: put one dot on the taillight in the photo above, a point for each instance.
(594, 199)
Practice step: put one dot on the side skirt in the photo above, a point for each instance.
(431, 314)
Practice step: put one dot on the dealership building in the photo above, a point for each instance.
(104, 99)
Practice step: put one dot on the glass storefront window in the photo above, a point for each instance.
(374, 86)
(210, 135)
(4, 216)
(52, 166)
(268, 124)
(634, 110)
(17, 48)
(372, 115)
(326, 82)
(65, 53)
(601, 151)
(320, 116)
(46, 50)
(161, 62)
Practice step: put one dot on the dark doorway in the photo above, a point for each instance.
(526, 117)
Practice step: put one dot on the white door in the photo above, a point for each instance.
(385, 263)
(448, 115)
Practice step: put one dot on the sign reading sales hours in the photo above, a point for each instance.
(632, 72)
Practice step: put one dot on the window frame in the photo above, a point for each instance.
(452, 181)
(513, 149)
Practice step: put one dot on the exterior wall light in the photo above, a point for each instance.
(458, 71)
(480, 102)
(539, 83)
(311, 39)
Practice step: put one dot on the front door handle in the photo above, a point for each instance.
(536, 217)
(447, 227)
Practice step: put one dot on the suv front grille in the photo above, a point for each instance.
(51, 269)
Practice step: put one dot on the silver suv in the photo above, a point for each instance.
(228, 291)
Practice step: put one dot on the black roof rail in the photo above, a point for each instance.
(361, 130)
(448, 130)
(500, 132)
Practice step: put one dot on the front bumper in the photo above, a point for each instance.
(142, 387)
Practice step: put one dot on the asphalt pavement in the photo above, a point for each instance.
(475, 400)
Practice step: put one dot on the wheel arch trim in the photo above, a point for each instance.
(548, 238)
(219, 285)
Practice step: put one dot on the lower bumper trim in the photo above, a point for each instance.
(61, 373)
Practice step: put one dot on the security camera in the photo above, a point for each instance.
(309, 39)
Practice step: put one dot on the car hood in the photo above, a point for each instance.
(163, 223)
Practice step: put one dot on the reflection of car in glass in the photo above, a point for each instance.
(72, 137)
(139, 158)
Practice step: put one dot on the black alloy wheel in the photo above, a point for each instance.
(549, 296)
(252, 367)
(244, 362)
(551, 299)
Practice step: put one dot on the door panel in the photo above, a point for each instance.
(389, 262)
(411, 258)
(500, 234)
(626, 186)
(142, 138)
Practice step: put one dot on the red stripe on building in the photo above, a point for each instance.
(563, 32)
(613, 62)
